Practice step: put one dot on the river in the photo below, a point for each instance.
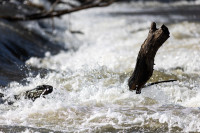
(90, 79)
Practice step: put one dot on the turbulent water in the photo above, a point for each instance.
(90, 80)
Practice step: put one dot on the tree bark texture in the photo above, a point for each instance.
(145, 60)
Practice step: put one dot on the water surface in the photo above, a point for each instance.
(90, 80)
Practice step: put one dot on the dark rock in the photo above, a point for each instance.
(39, 91)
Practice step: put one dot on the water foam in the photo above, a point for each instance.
(90, 84)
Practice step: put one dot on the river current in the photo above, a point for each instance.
(90, 79)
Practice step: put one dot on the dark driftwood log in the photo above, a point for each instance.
(145, 60)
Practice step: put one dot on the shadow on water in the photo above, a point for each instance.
(171, 14)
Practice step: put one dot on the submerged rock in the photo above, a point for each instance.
(39, 91)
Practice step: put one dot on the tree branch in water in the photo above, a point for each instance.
(165, 81)
(57, 13)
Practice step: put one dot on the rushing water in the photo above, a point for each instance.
(91, 92)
